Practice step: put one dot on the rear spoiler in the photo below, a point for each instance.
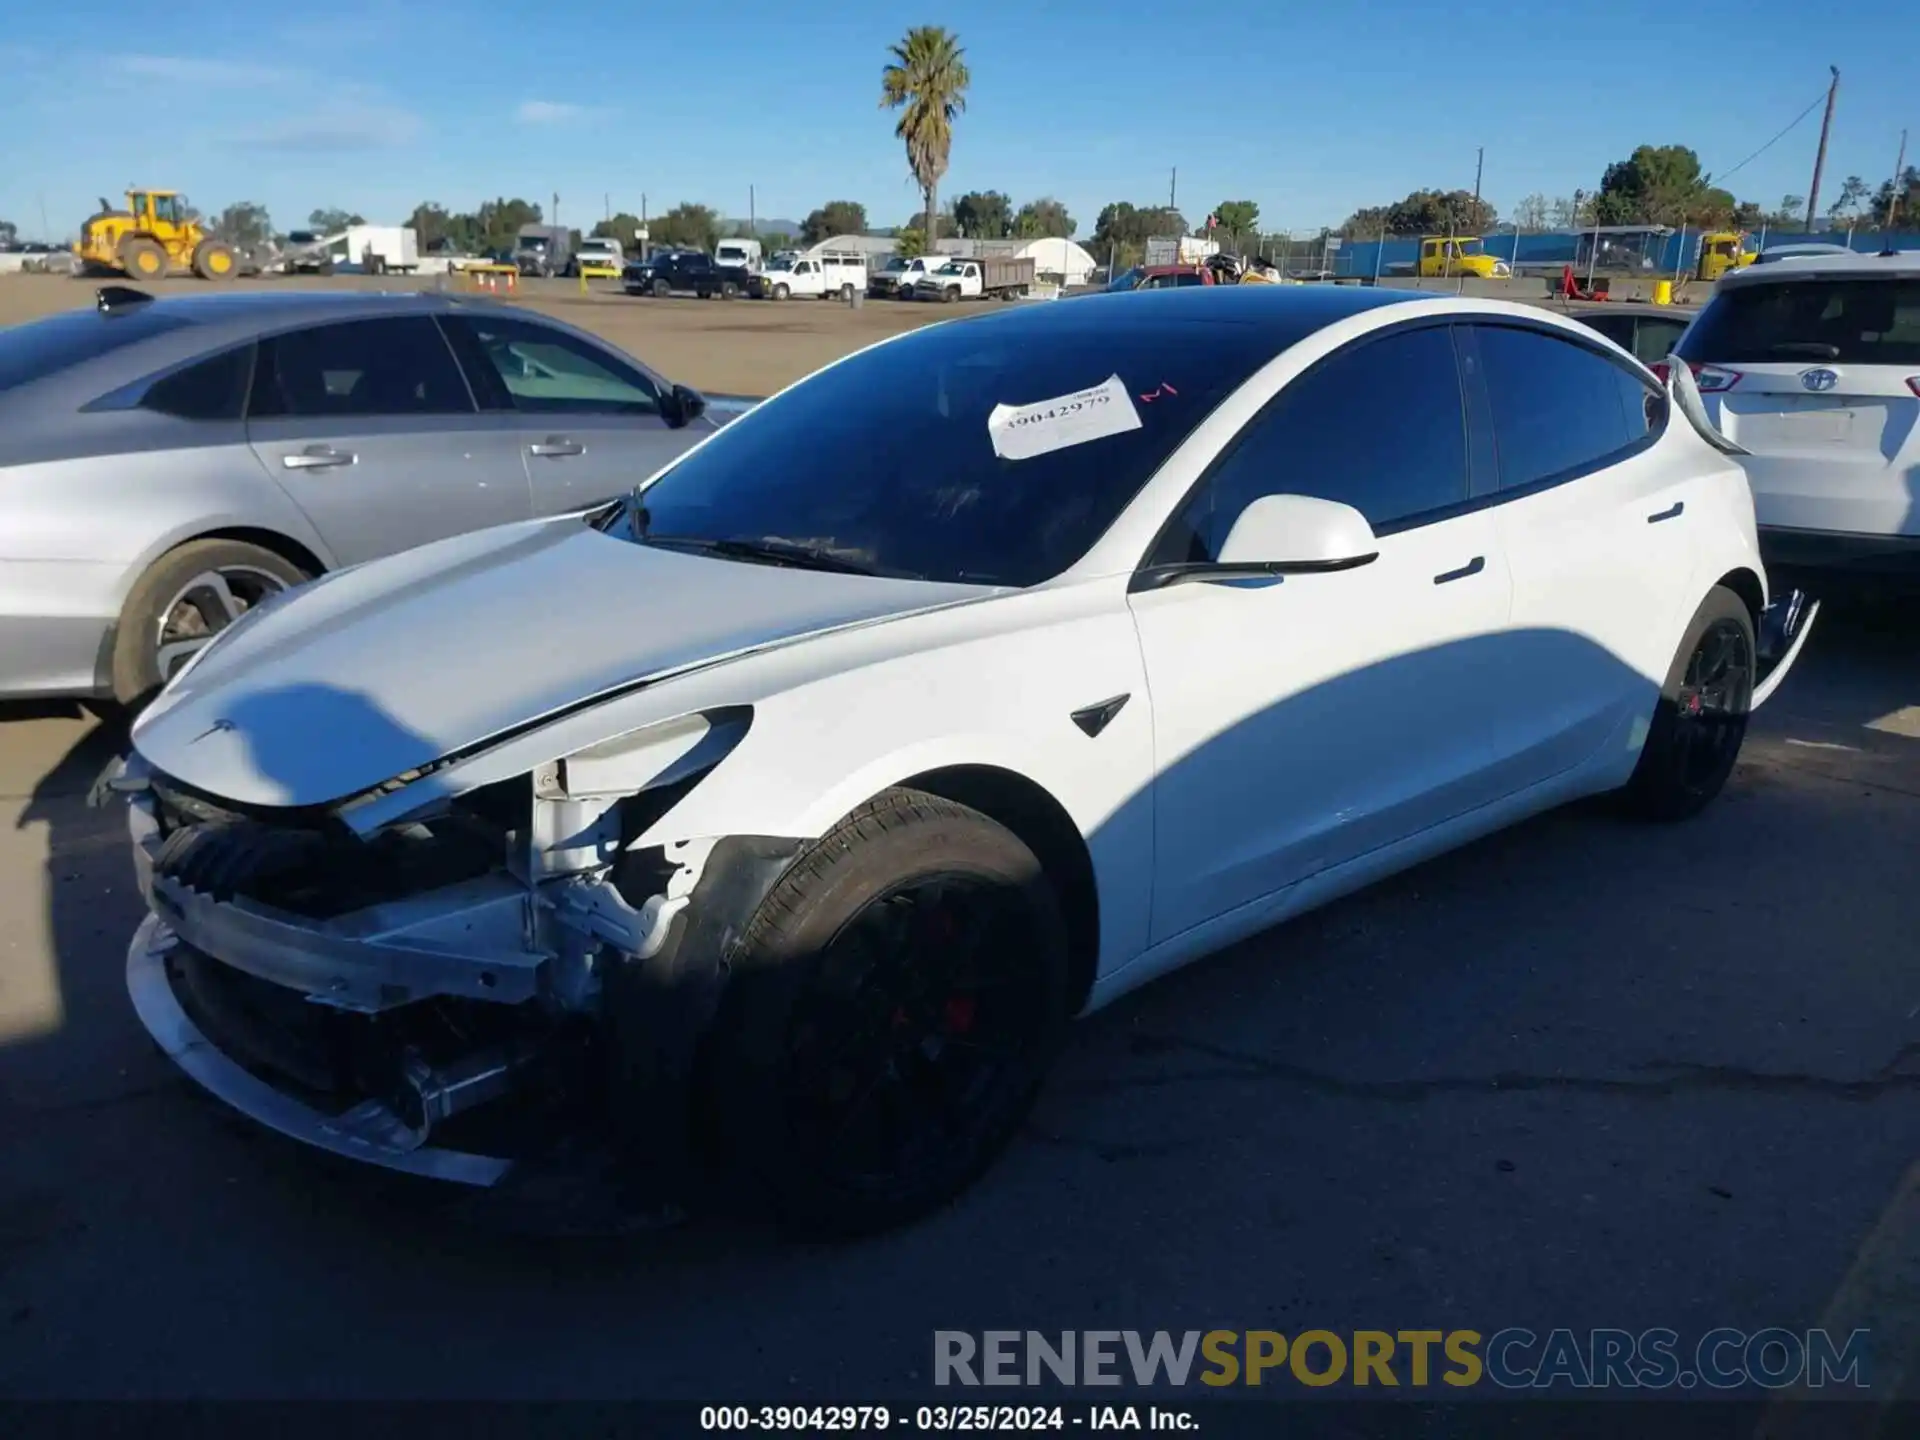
(1685, 397)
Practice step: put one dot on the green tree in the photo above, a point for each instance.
(1891, 206)
(910, 243)
(983, 215)
(836, 217)
(1237, 217)
(1848, 203)
(328, 221)
(693, 227)
(1661, 185)
(1791, 211)
(1045, 217)
(927, 83)
(1424, 212)
(9, 232)
(1532, 212)
(619, 227)
(430, 221)
(497, 222)
(1123, 230)
(244, 224)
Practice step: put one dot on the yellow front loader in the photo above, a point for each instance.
(155, 235)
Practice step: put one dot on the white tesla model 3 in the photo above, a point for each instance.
(772, 822)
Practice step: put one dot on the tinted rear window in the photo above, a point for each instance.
(886, 460)
(42, 347)
(1858, 322)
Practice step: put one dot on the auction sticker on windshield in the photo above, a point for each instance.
(1020, 432)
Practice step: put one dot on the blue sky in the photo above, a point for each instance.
(1310, 110)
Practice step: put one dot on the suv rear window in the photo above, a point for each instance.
(59, 342)
(1857, 322)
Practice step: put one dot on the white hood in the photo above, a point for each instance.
(377, 670)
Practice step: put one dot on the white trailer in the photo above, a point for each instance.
(377, 249)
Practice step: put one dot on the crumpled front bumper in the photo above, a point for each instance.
(371, 1131)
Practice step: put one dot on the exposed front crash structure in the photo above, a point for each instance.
(461, 986)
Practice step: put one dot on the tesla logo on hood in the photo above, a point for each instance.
(1819, 380)
(218, 727)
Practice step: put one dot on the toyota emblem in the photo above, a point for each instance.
(1819, 380)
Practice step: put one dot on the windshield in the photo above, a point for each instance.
(1859, 322)
(1472, 247)
(533, 242)
(1125, 280)
(885, 461)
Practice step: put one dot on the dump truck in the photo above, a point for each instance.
(967, 277)
(155, 235)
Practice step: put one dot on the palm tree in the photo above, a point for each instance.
(927, 82)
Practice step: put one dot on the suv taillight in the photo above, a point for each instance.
(1711, 379)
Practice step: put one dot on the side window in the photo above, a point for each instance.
(1190, 279)
(1558, 408)
(211, 389)
(1323, 436)
(548, 372)
(358, 367)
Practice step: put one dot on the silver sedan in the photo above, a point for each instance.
(166, 464)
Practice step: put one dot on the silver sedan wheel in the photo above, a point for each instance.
(206, 605)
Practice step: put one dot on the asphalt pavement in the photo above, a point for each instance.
(1586, 1073)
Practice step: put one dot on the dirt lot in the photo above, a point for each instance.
(742, 347)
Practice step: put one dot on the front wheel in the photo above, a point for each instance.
(892, 1009)
(1700, 719)
(661, 289)
(781, 292)
(951, 294)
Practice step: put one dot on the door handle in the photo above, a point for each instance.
(555, 445)
(1472, 567)
(319, 457)
(1672, 512)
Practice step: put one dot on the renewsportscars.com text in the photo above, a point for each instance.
(1512, 1359)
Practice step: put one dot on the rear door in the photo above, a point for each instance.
(1820, 379)
(1598, 528)
(586, 420)
(369, 427)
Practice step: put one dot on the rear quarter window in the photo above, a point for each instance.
(45, 347)
(1871, 321)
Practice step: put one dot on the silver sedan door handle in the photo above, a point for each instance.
(557, 445)
(319, 457)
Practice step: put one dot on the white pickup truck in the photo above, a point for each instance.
(826, 274)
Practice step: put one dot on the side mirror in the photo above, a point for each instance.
(683, 405)
(1296, 534)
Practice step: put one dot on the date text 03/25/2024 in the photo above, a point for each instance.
(929, 1419)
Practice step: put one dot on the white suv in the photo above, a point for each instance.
(1812, 366)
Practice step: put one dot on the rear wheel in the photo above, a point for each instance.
(143, 259)
(187, 598)
(1700, 720)
(729, 290)
(892, 1010)
(846, 294)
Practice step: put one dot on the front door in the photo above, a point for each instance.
(587, 421)
(369, 427)
(1300, 723)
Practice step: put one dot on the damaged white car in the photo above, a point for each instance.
(771, 823)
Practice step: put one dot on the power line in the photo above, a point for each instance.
(1818, 102)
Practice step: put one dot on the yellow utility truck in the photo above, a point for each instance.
(1721, 251)
(155, 235)
(1444, 256)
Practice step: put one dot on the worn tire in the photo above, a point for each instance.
(1661, 787)
(214, 260)
(661, 289)
(781, 292)
(136, 668)
(143, 259)
(784, 966)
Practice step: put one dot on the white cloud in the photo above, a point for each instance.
(331, 130)
(182, 70)
(551, 112)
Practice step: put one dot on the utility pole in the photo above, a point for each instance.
(606, 204)
(1173, 187)
(1820, 155)
(753, 219)
(556, 207)
(1479, 166)
(1893, 197)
